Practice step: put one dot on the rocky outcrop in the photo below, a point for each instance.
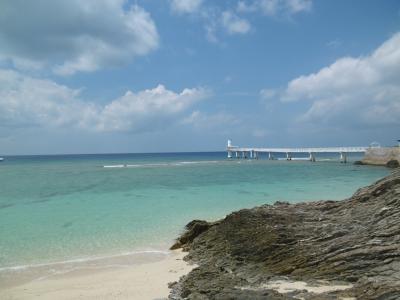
(346, 249)
(382, 156)
(193, 229)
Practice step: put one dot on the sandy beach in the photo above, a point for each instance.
(141, 281)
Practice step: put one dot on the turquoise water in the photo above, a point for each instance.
(60, 208)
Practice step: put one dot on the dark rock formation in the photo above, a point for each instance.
(354, 243)
(394, 163)
(193, 229)
(358, 163)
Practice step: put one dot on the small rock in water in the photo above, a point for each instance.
(394, 163)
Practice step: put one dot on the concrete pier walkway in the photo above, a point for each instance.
(254, 152)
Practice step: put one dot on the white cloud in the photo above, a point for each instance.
(211, 24)
(353, 91)
(296, 6)
(233, 24)
(267, 94)
(202, 120)
(216, 21)
(28, 102)
(260, 133)
(72, 36)
(245, 7)
(270, 7)
(186, 6)
(147, 109)
(275, 7)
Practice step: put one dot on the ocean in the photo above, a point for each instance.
(71, 209)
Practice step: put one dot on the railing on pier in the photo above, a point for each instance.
(253, 152)
(300, 150)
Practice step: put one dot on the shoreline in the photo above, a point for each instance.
(143, 280)
(18, 275)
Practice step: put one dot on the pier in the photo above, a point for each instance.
(255, 153)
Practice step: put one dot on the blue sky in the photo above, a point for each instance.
(185, 75)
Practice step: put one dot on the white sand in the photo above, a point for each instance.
(283, 286)
(287, 286)
(143, 281)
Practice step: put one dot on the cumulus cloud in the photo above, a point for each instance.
(354, 91)
(29, 102)
(72, 36)
(186, 6)
(275, 7)
(147, 109)
(234, 24)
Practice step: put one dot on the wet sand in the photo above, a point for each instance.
(141, 281)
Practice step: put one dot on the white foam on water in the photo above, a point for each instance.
(200, 162)
(152, 165)
(300, 158)
(83, 260)
(114, 166)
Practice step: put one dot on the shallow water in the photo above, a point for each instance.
(87, 207)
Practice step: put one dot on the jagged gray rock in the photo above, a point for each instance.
(193, 229)
(394, 163)
(354, 242)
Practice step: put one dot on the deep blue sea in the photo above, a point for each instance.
(87, 207)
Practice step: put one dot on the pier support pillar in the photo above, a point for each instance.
(251, 154)
(288, 156)
(343, 157)
(237, 154)
(312, 157)
(270, 157)
(256, 155)
(229, 154)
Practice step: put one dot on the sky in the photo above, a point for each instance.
(115, 76)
